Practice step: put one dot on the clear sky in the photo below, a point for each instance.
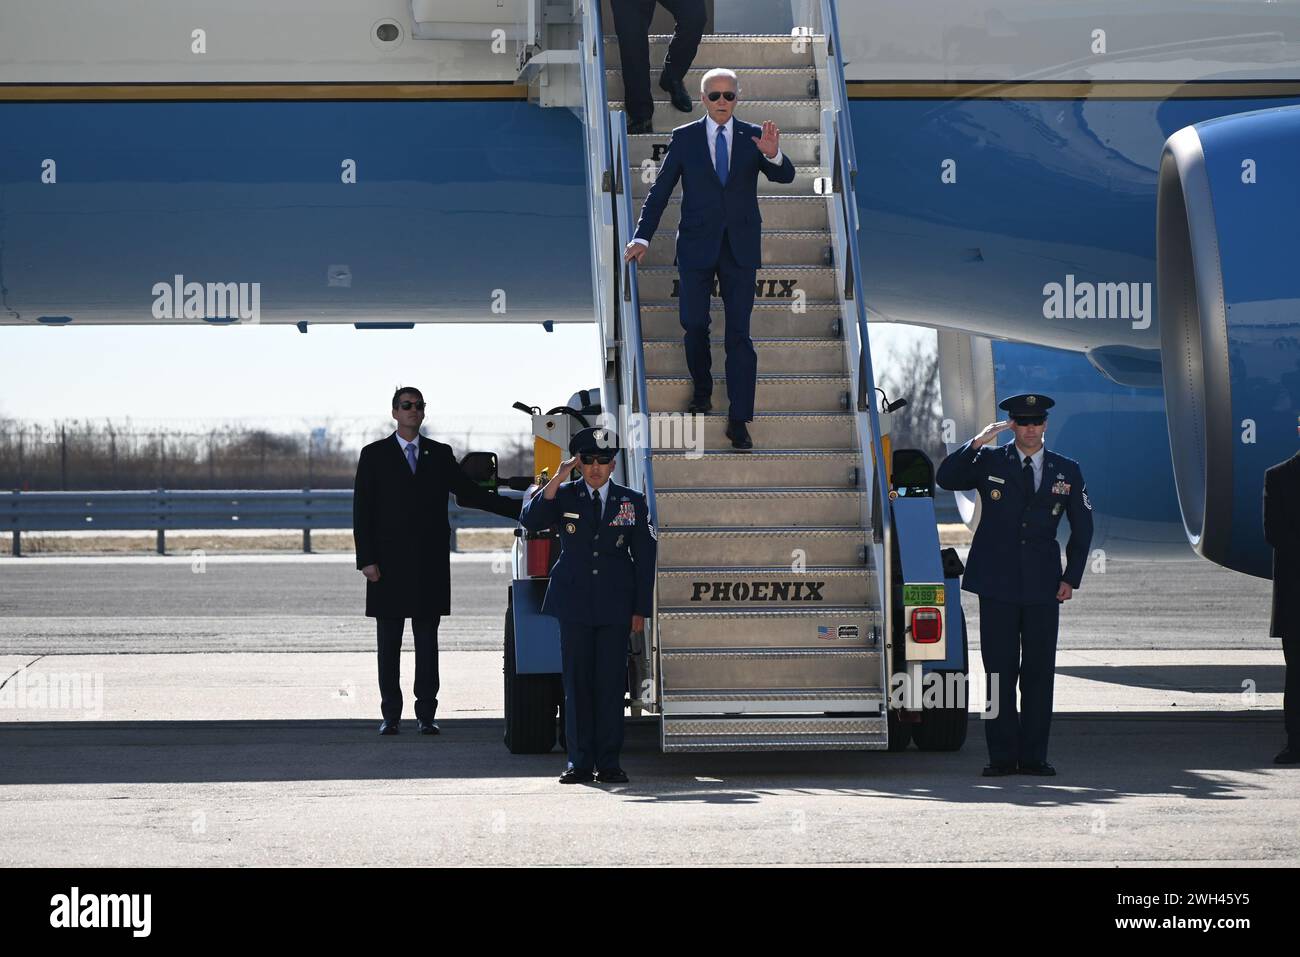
(334, 375)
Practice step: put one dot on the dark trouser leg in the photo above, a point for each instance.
(691, 19)
(736, 285)
(1037, 678)
(1291, 692)
(632, 24)
(425, 631)
(578, 670)
(389, 636)
(694, 290)
(1000, 650)
(611, 682)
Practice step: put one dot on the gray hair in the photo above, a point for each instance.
(716, 73)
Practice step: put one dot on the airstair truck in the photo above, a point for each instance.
(801, 600)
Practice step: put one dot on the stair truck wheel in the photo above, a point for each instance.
(941, 729)
(900, 732)
(529, 701)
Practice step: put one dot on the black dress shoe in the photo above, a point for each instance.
(429, 727)
(612, 776)
(574, 776)
(739, 435)
(700, 405)
(999, 770)
(640, 127)
(390, 727)
(1040, 768)
(1288, 755)
(677, 93)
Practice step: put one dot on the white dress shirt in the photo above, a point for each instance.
(711, 135)
(403, 443)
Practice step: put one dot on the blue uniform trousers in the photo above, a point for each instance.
(1019, 642)
(736, 287)
(593, 660)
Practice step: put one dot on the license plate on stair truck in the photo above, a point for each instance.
(923, 608)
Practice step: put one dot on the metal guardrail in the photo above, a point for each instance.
(194, 510)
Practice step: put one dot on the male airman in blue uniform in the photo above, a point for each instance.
(601, 590)
(1014, 566)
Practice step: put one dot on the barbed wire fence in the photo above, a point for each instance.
(107, 454)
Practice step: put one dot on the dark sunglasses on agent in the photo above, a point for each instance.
(1028, 419)
(725, 94)
(406, 405)
(597, 458)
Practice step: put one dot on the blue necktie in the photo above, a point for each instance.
(720, 156)
(410, 457)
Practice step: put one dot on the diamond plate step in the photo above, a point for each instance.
(756, 469)
(804, 149)
(774, 283)
(801, 185)
(759, 508)
(790, 626)
(769, 430)
(786, 83)
(761, 669)
(762, 546)
(772, 393)
(752, 732)
(768, 320)
(775, 586)
(796, 115)
(778, 212)
(805, 356)
(736, 51)
(808, 246)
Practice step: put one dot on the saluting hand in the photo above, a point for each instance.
(990, 432)
(769, 142)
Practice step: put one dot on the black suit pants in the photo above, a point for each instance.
(425, 633)
(632, 24)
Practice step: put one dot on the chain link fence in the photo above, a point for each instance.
(102, 454)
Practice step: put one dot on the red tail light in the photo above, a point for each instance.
(927, 625)
(537, 556)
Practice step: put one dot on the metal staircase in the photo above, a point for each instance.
(769, 630)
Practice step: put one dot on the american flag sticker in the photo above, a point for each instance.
(826, 633)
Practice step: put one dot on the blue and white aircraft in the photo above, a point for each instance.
(1093, 199)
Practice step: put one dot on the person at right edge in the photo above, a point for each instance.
(1015, 567)
(1282, 531)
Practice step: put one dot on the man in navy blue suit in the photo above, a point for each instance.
(717, 159)
(1015, 567)
(601, 590)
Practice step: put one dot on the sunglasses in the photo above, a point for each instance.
(1029, 420)
(725, 94)
(603, 458)
(407, 405)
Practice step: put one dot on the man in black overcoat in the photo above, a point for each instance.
(403, 541)
(1282, 530)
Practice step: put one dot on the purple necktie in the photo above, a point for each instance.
(410, 456)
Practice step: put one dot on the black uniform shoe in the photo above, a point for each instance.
(700, 405)
(1040, 768)
(999, 770)
(1288, 755)
(429, 727)
(612, 776)
(574, 776)
(640, 126)
(739, 435)
(390, 727)
(677, 93)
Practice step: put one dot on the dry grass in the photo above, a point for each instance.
(180, 543)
